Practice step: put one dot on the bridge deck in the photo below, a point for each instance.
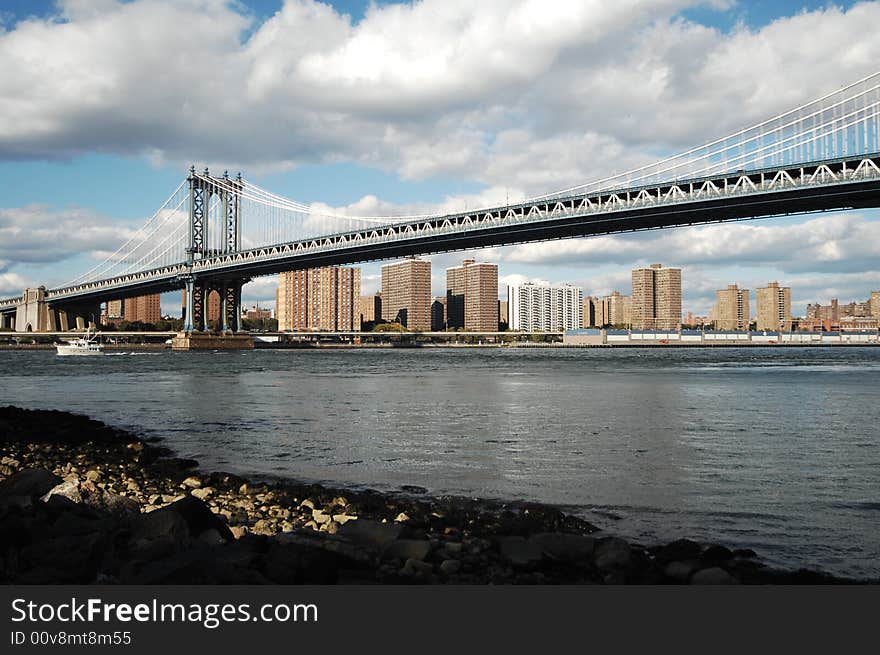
(811, 187)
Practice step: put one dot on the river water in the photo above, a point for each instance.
(773, 449)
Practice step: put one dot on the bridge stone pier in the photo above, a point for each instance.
(35, 313)
(32, 313)
(76, 317)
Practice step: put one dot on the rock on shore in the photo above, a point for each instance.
(81, 502)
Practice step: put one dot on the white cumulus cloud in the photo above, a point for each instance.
(520, 94)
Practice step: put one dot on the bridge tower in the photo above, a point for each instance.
(202, 190)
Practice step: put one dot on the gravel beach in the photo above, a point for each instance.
(82, 502)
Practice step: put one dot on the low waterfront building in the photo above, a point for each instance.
(698, 338)
(843, 323)
(834, 311)
(859, 323)
(583, 337)
(256, 313)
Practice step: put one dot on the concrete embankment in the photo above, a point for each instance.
(81, 502)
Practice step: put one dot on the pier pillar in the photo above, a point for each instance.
(233, 292)
(202, 297)
(187, 306)
(224, 309)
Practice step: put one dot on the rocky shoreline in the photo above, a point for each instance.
(82, 502)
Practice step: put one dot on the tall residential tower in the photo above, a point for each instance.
(656, 298)
(144, 309)
(319, 299)
(544, 307)
(406, 294)
(732, 308)
(773, 307)
(472, 296)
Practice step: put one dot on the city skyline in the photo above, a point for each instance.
(459, 153)
(330, 298)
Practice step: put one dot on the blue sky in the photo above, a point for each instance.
(754, 14)
(320, 112)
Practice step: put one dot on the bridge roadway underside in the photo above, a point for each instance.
(856, 195)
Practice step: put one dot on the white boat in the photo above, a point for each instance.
(86, 345)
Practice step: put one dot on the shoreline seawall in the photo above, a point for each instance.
(82, 502)
(118, 348)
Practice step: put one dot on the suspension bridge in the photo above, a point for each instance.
(215, 233)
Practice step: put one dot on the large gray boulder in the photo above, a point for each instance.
(159, 534)
(197, 517)
(91, 495)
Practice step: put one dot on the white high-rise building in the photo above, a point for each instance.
(544, 307)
